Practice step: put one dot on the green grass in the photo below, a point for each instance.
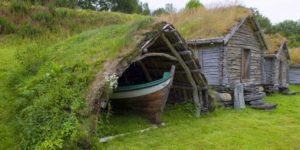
(44, 77)
(223, 129)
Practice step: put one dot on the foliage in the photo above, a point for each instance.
(290, 29)
(193, 4)
(19, 6)
(29, 31)
(146, 9)
(168, 9)
(159, 11)
(263, 21)
(6, 27)
(126, 6)
(100, 5)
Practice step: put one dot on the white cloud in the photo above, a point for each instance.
(276, 10)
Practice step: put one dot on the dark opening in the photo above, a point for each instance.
(135, 74)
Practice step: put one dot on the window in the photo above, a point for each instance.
(246, 63)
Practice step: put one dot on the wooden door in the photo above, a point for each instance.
(280, 72)
(246, 63)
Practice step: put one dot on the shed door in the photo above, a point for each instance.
(282, 73)
(246, 63)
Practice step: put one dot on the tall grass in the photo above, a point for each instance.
(274, 42)
(205, 23)
(295, 55)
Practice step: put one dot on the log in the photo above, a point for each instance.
(188, 74)
(155, 55)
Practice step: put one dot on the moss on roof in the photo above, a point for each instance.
(274, 42)
(206, 23)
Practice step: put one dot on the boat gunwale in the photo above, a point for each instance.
(166, 76)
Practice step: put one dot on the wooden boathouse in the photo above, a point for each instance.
(160, 48)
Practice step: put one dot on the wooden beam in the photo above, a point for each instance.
(186, 52)
(148, 76)
(188, 74)
(155, 55)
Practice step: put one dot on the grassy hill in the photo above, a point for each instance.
(48, 58)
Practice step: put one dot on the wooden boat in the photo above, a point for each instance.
(148, 99)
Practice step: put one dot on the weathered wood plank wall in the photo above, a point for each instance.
(245, 38)
(294, 75)
(210, 58)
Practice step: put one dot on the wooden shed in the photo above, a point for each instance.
(235, 57)
(294, 74)
(230, 47)
(276, 64)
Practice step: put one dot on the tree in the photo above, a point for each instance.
(263, 21)
(193, 4)
(170, 8)
(159, 11)
(146, 9)
(99, 5)
(126, 6)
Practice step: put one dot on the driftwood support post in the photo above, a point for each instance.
(188, 74)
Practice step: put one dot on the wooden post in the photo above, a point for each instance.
(188, 74)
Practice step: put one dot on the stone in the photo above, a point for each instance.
(255, 96)
(223, 97)
(266, 106)
(257, 102)
(239, 102)
(260, 89)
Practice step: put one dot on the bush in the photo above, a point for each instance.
(43, 17)
(30, 58)
(19, 6)
(29, 31)
(6, 27)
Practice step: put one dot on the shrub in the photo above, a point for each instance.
(43, 17)
(6, 27)
(29, 31)
(30, 58)
(19, 6)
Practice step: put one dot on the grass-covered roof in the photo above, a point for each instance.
(206, 23)
(274, 42)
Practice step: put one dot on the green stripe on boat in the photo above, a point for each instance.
(165, 77)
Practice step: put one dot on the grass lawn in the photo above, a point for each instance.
(223, 129)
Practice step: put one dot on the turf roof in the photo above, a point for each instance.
(274, 42)
(206, 23)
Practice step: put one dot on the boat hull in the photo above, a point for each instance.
(150, 105)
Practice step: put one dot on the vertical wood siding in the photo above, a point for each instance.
(210, 60)
(294, 75)
(245, 38)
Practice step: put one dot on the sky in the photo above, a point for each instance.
(275, 10)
